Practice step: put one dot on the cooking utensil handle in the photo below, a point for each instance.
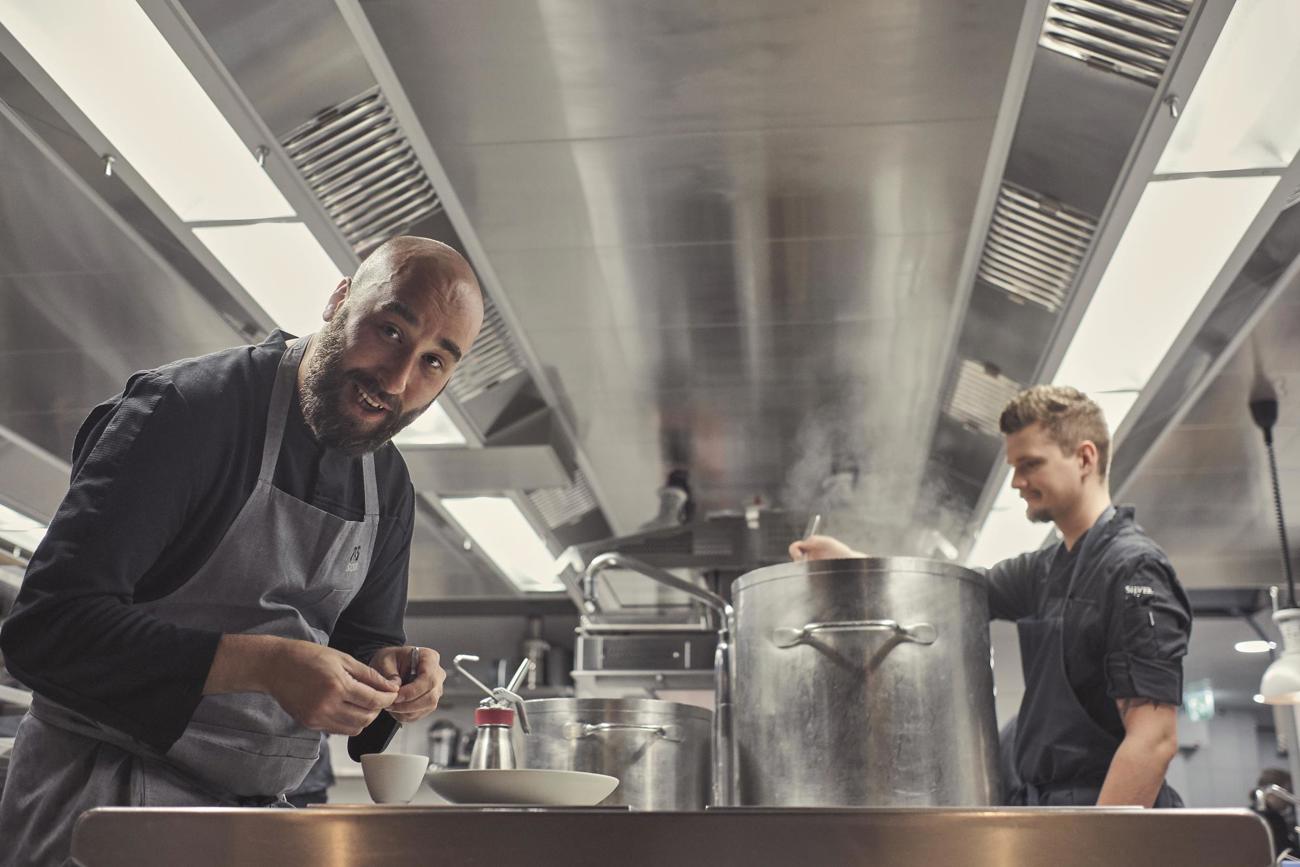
(575, 730)
(920, 633)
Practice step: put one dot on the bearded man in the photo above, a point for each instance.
(226, 578)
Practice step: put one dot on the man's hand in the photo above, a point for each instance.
(418, 698)
(821, 548)
(322, 688)
(1150, 742)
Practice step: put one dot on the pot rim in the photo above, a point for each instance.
(856, 566)
(585, 706)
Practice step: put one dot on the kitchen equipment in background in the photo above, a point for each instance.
(523, 786)
(659, 750)
(495, 718)
(864, 683)
(443, 738)
(535, 649)
(723, 746)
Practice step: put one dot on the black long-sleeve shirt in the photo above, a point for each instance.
(159, 474)
(1127, 624)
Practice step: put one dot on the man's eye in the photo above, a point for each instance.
(390, 331)
(435, 362)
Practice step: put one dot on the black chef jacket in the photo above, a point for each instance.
(1129, 622)
(159, 473)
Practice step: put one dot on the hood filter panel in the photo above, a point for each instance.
(1133, 38)
(1034, 247)
(359, 164)
(979, 396)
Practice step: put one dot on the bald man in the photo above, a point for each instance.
(226, 577)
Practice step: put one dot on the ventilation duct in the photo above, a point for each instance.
(495, 358)
(359, 164)
(1034, 247)
(1133, 38)
(979, 396)
(560, 506)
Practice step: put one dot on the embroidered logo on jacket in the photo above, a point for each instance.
(1138, 590)
(354, 561)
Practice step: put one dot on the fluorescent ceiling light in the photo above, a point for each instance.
(1257, 646)
(18, 529)
(1241, 114)
(111, 61)
(500, 529)
(281, 265)
(1177, 241)
(434, 428)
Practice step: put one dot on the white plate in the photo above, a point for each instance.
(523, 786)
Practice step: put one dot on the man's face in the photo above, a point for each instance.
(382, 359)
(1049, 479)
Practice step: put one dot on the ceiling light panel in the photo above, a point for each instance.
(279, 264)
(433, 428)
(111, 61)
(1242, 113)
(1176, 242)
(1133, 38)
(18, 529)
(503, 533)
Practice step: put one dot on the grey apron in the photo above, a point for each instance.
(283, 568)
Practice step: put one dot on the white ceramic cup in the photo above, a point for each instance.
(393, 778)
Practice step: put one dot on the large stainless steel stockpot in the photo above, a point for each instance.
(864, 682)
(659, 750)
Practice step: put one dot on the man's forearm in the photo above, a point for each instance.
(241, 663)
(1136, 773)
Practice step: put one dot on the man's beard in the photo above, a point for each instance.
(327, 385)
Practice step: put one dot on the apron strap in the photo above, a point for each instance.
(368, 481)
(277, 414)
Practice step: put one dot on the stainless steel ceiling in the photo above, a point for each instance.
(731, 231)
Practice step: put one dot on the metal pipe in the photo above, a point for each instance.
(724, 758)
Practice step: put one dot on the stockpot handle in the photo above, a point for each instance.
(575, 730)
(920, 633)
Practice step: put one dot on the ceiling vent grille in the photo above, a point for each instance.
(493, 359)
(1134, 38)
(980, 395)
(560, 506)
(363, 170)
(1034, 247)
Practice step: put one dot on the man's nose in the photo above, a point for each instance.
(396, 374)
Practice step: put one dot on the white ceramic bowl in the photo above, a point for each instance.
(393, 778)
(523, 786)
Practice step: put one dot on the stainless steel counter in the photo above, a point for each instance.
(506, 837)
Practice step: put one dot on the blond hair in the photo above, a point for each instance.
(1068, 415)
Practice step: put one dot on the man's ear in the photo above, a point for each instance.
(337, 297)
(1087, 454)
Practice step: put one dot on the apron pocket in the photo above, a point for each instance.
(244, 763)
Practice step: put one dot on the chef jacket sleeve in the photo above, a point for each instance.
(74, 634)
(373, 619)
(1150, 622)
(1011, 587)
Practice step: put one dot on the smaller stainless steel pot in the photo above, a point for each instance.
(658, 750)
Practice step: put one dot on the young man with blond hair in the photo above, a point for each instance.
(1103, 621)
